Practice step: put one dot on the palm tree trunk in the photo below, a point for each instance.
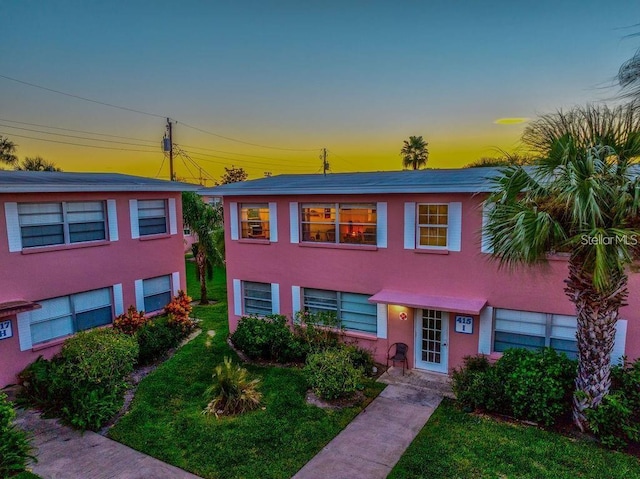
(201, 261)
(597, 315)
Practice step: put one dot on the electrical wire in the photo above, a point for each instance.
(79, 144)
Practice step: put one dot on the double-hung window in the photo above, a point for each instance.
(257, 298)
(254, 221)
(339, 223)
(152, 217)
(48, 224)
(67, 315)
(353, 310)
(432, 227)
(531, 330)
(156, 292)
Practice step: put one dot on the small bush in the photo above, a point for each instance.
(15, 449)
(468, 382)
(361, 358)
(156, 338)
(179, 311)
(268, 338)
(130, 322)
(42, 385)
(232, 391)
(318, 330)
(331, 373)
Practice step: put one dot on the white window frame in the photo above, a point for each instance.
(432, 225)
(168, 225)
(252, 223)
(144, 295)
(244, 298)
(339, 309)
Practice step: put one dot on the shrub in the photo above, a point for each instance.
(131, 321)
(232, 391)
(266, 338)
(42, 384)
(331, 374)
(15, 449)
(156, 338)
(179, 310)
(468, 382)
(318, 330)
(361, 358)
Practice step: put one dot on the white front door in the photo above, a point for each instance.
(432, 339)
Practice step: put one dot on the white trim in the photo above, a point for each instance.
(296, 296)
(118, 299)
(273, 222)
(383, 317)
(133, 219)
(619, 343)
(275, 298)
(381, 229)
(409, 226)
(454, 229)
(237, 297)
(233, 219)
(13, 227)
(173, 217)
(294, 227)
(175, 283)
(443, 366)
(139, 290)
(112, 219)
(485, 242)
(24, 330)
(485, 330)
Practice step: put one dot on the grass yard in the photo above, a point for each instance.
(166, 422)
(454, 444)
(216, 287)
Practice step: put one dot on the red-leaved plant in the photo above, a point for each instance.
(178, 311)
(131, 321)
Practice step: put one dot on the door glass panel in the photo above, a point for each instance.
(431, 336)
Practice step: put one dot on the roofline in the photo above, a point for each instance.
(62, 188)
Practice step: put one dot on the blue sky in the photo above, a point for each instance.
(355, 77)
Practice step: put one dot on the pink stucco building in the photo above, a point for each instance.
(76, 249)
(400, 258)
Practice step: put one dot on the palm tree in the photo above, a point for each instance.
(36, 164)
(629, 77)
(414, 152)
(7, 150)
(582, 195)
(206, 222)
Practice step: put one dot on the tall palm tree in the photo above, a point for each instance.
(414, 152)
(582, 195)
(206, 222)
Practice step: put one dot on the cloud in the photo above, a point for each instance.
(510, 121)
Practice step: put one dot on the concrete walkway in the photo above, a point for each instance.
(373, 442)
(64, 453)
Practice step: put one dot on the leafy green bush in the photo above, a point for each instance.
(156, 338)
(232, 391)
(331, 373)
(42, 385)
(616, 421)
(532, 385)
(15, 449)
(318, 331)
(268, 338)
(361, 358)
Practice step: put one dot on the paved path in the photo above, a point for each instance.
(373, 442)
(67, 454)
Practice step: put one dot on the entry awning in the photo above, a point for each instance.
(418, 300)
(9, 308)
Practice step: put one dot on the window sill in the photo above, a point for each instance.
(359, 247)
(63, 247)
(155, 237)
(430, 251)
(361, 335)
(494, 356)
(254, 241)
(50, 344)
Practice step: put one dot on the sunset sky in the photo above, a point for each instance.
(266, 84)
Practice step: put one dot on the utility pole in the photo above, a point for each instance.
(325, 163)
(170, 130)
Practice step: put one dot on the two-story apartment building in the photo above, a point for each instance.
(76, 249)
(399, 257)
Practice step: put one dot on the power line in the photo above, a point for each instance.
(239, 154)
(343, 159)
(79, 144)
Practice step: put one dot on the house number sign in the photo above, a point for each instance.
(464, 324)
(5, 329)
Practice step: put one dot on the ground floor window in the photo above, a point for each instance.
(531, 330)
(67, 315)
(156, 292)
(354, 311)
(256, 298)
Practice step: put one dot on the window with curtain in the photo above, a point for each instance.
(67, 315)
(353, 310)
(48, 224)
(339, 223)
(152, 217)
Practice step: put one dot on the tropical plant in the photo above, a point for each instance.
(580, 196)
(331, 373)
(15, 449)
(232, 391)
(203, 220)
(179, 310)
(131, 321)
(505, 160)
(629, 77)
(7, 150)
(36, 163)
(414, 152)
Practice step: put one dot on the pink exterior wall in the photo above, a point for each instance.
(59, 271)
(467, 273)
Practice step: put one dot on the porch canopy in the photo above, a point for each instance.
(9, 308)
(419, 300)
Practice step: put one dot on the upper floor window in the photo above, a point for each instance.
(47, 224)
(152, 217)
(354, 311)
(432, 226)
(254, 220)
(339, 223)
(67, 315)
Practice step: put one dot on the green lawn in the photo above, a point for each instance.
(165, 420)
(216, 287)
(454, 444)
